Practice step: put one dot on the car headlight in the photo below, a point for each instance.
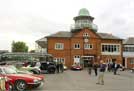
(36, 81)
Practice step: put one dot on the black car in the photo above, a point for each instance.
(48, 67)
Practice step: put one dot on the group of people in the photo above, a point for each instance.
(59, 66)
(102, 68)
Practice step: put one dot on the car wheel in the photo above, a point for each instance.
(20, 85)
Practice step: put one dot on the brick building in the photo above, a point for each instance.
(128, 52)
(84, 43)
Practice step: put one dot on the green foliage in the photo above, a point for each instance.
(19, 46)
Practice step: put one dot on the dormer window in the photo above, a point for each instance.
(85, 35)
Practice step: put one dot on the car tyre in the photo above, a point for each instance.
(20, 85)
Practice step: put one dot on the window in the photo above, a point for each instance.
(76, 46)
(60, 60)
(129, 49)
(59, 46)
(110, 48)
(131, 61)
(76, 56)
(88, 46)
(76, 59)
(85, 35)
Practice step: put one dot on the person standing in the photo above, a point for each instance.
(58, 66)
(95, 67)
(115, 67)
(61, 66)
(101, 73)
(89, 68)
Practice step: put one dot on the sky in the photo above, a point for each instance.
(30, 20)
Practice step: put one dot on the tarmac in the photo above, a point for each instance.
(82, 81)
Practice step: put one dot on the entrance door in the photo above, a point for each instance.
(87, 59)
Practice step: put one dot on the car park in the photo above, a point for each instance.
(21, 82)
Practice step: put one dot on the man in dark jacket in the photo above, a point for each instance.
(101, 73)
(89, 68)
(95, 67)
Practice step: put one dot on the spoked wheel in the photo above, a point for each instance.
(20, 85)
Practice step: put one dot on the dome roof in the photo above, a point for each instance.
(83, 12)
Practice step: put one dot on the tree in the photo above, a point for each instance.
(19, 46)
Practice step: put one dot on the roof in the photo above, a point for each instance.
(61, 34)
(69, 35)
(42, 42)
(107, 36)
(129, 40)
(83, 12)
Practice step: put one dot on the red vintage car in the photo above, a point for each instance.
(22, 81)
(76, 67)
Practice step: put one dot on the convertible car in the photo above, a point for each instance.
(21, 82)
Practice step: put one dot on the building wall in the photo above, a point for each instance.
(69, 52)
(60, 53)
(129, 65)
(117, 58)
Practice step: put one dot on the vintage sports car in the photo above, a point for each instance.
(21, 81)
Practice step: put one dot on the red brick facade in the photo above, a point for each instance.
(68, 52)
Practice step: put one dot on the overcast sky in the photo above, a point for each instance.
(30, 20)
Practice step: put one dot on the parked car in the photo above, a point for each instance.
(76, 67)
(19, 71)
(48, 67)
(21, 81)
(65, 67)
(34, 70)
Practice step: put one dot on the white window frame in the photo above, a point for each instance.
(85, 35)
(128, 48)
(88, 46)
(77, 46)
(59, 46)
(110, 47)
(59, 59)
(131, 61)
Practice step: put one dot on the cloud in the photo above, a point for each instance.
(29, 20)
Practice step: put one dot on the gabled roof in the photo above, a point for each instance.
(107, 36)
(61, 34)
(129, 41)
(69, 35)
